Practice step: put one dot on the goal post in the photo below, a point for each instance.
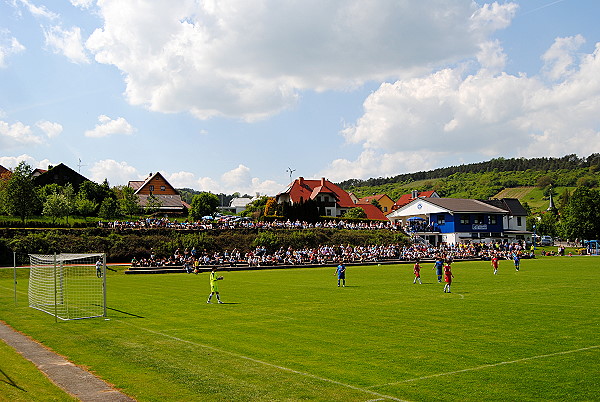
(68, 286)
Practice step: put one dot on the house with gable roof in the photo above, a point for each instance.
(331, 199)
(60, 174)
(160, 189)
(406, 198)
(458, 220)
(383, 200)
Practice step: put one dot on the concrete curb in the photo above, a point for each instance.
(71, 378)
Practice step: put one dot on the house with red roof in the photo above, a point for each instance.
(383, 200)
(408, 198)
(156, 187)
(331, 199)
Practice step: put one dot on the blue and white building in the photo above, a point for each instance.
(459, 220)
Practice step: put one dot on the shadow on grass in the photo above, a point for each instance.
(125, 312)
(10, 381)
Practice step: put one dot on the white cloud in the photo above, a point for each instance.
(38, 11)
(117, 173)
(10, 162)
(478, 116)
(9, 45)
(559, 58)
(250, 60)
(82, 3)
(67, 43)
(17, 134)
(108, 127)
(49, 128)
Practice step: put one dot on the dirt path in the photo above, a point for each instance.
(71, 378)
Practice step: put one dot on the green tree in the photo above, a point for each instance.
(355, 213)
(20, 198)
(84, 206)
(377, 204)
(128, 201)
(55, 206)
(109, 209)
(203, 204)
(581, 217)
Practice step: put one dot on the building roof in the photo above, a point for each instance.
(60, 174)
(512, 205)
(464, 205)
(370, 198)
(4, 171)
(139, 185)
(373, 212)
(167, 202)
(407, 198)
(301, 190)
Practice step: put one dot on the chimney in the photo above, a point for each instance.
(415, 194)
(301, 180)
(322, 181)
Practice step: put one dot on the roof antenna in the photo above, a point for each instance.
(79, 165)
(290, 170)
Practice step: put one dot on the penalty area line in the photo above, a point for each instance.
(486, 366)
(237, 355)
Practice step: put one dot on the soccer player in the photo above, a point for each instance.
(439, 266)
(517, 260)
(99, 268)
(495, 263)
(448, 277)
(417, 271)
(341, 274)
(214, 285)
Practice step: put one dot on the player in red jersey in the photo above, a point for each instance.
(417, 271)
(495, 263)
(448, 277)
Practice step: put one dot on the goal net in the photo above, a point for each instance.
(68, 286)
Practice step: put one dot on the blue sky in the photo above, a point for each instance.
(227, 96)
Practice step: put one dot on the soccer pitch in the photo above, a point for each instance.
(293, 334)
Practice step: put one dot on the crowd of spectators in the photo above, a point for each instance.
(329, 254)
(236, 222)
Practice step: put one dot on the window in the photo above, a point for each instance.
(478, 219)
(464, 220)
(441, 219)
(493, 219)
(151, 188)
(519, 221)
(163, 188)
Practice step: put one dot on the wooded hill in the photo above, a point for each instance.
(530, 179)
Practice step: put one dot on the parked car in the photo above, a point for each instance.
(546, 241)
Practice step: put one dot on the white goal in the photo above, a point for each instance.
(68, 286)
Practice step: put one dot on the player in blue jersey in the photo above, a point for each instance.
(341, 274)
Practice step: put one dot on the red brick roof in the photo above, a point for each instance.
(406, 198)
(301, 190)
(373, 212)
(368, 199)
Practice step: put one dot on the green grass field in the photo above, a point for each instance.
(294, 335)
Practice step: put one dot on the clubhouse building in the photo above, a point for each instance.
(455, 220)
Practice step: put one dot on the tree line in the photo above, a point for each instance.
(567, 162)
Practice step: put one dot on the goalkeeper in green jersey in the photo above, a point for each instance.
(214, 285)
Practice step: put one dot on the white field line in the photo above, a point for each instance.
(377, 394)
(486, 366)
